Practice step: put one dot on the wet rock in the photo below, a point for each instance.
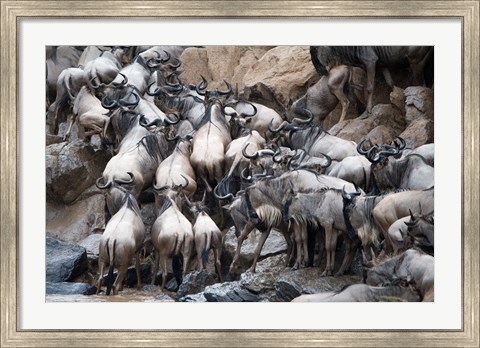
(419, 132)
(164, 298)
(293, 283)
(193, 298)
(418, 103)
(72, 223)
(130, 280)
(71, 169)
(171, 285)
(63, 261)
(91, 244)
(195, 282)
(66, 288)
(267, 273)
(275, 244)
(229, 292)
(280, 77)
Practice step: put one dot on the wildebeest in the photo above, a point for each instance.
(91, 114)
(411, 265)
(322, 208)
(420, 227)
(397, 205)
(365, 293)
(370, 57)
(172, 236)
(210, 141)
(411, 172)
(207, 236)
(322, 98)
(122, 239)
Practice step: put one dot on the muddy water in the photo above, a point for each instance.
(127, 295)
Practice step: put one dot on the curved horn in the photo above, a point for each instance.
(172, 121)
(360, 148)
(276, 130)
(110, 106)
(123, 83)
(266, 152)
(176, 137)
(164, 60)
(121, 181)
(123, 102)
(200, 88)
(186, 181)
(143, 122)
(97, 85)
(245, 178)
(232, 114)
(244, 152)
(176, 65)
(329, 161)
(102, 187)
(253, 113)
(411, 215)
(402, 144)
(304, 121)
(228, 91)
(261, 175)
(228, 196)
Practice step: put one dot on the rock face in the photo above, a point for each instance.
(382, 115)
(275, 244)
(419, 132)
(229, 292)
(65, 288)
(418, 103)
(195, 282)
(71, 169)
(281, 76)
(218, 63)
(64, 262)
(75, 222)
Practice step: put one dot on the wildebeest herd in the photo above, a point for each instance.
(210, 159)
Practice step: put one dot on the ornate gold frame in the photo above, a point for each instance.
(467, 11)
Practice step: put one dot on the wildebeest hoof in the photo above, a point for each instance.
(324, 274)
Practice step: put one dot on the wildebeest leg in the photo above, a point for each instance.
(155, 267)
(331, 236)
(70, 124)
(388, 77)
(137, 269)
(300, 233)
(217, 253)
(351, 247)
(319, 247)
(370, 86)
(263, 237)
(286, 235)
(118, 285)
(101, 268)
(250, 225)
(336, 82)
(163, 268)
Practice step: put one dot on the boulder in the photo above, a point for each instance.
(275, 244)
(222, 61)
(229, 292)
(130, 279)
(194, 63)
(195, 282)
(249, 57)
(267, 273)
(418, 103)
(91, 244)
(65, 288)
(71, 168)
(381, 135)
(75, 222)
(63, 261)
(292, 284)
(193, 298)
(419, 132)
(280, 77)
(383, 114)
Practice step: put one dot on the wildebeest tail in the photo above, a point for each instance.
(110, 269)
(319, 67)
(208, 242)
